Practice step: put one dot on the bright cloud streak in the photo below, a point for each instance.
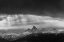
(57, 22)
(39, 21)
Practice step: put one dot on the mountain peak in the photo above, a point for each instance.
(28, 29)
(34, 28)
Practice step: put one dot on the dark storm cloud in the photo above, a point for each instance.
(42, 7)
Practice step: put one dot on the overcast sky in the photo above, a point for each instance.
(54, 8)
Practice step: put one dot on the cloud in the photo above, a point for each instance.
(47, 21)
(28, 21)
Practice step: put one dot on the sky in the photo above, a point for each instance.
(54, 8)
(47, 9)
